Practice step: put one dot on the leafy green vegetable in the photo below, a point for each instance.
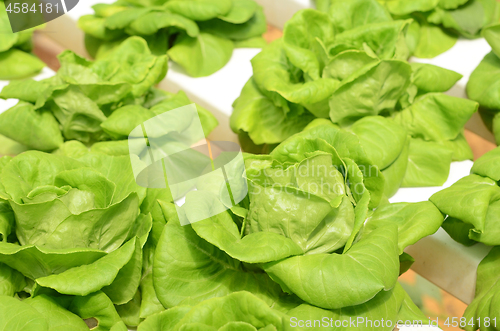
(16, 61)
(244, 311)
(473, 210)
(348, 65)
(431, 40)
(467, 19)
(303, 230)
(439, 23)
(198, 35)
(12, 308)
(472, 205)
(77, 226)
(484, 83)
(82, 242)
(414, 221)
(181, 251)
(11, 281)
(201, 55)
(56, 316)
(97, 306)
(44, 312)
(485, 306)
(90, 102)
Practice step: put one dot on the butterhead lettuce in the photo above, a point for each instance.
(306, 232)
(79, 232)
(200, 36)
(340, 68)
(95, 103)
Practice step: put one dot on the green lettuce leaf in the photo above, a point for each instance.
(431, 78)
(180, 251)
(11, 281)
(100, 275)
(34, 129)
(483, 85)
(202, 55)
(375, 258)
(414, 220)
(262, 119)
(476, 203)
(488, 165)
(347, 15)
(18, 64)
(436, 116)
(428, 164)
(381, 84)
(57, 317)
(468, 19)
(490, 33)
(433, 40)
(486, 303)
(404, 7)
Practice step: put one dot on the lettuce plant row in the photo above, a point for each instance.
(471, 206)
(81, 239)
(200, 36)
(345, 121)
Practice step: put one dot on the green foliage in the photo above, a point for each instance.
(472, 203)
(92, 102)
(75, 237)
(484, 83)
(306, 231)
(486, 305)
(244, 311)
(16, 61)
(346, 119)
(198, 35)
(348, 65)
